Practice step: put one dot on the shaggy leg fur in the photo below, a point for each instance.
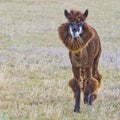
(76, 89)
(98, 77)
(90, 89)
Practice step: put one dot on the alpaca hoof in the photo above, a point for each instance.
(76, 110)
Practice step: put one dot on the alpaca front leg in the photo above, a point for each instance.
(86, 88)
(85, 98)
(76, 90)
(76, 73)
(77, 100)
(85, 92)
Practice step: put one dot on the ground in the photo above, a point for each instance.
(35, 67)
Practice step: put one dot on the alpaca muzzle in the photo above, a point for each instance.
(75, 30)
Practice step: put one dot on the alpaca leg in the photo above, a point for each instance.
(86, 89)
(98, 77)
(95, 68)
(77, 98)
(90, 85)
(90, 88)
(85, 92)
(85, 98)
(76, 89)
(76, 73)
(92, 97)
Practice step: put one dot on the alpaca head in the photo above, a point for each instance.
(75, 22)
(75, 34)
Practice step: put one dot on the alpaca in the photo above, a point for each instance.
(84, 48)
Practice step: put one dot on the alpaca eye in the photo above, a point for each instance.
(80, 24)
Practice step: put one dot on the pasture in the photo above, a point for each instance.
(35, 67)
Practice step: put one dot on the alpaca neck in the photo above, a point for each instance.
(75, 44)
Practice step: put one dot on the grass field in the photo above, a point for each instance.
(35, 67)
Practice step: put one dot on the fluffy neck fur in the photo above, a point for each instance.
(75, 44)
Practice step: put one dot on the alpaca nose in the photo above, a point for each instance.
(74, 30)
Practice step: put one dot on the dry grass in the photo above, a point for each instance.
(34, 69)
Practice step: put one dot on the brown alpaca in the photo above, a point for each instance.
(84, 48)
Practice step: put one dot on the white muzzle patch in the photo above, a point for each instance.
(76, 33)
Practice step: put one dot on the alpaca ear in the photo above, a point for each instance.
(66, 13)
(85, 14)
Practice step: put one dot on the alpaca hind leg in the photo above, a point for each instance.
(95, 69)
(90, 90)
